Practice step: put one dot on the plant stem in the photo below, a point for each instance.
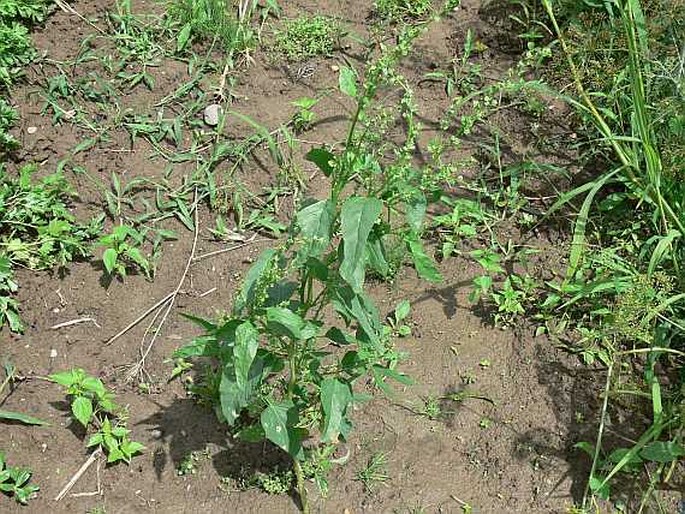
(301, 489)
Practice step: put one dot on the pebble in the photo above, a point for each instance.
(32, 130)
(335, 67)
(212, 114)
(156, 433)
(53, 353)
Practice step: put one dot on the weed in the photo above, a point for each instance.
(122, 251)
(14, 481)
(92, 404)
(375, 472)
(304, 117)
(188, 464)
(10, 378)
(276, 482)
(37, 230)
(218, 21)
(305, 37)
(402, 10)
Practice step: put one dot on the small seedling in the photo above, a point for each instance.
(14, 482)
(485, 423)
(276, 482)
(122, 251)
(304, 117)
(92, 405)
(396, 320)
(375, 472)
(188, 464)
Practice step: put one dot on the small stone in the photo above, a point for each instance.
(32, 130)
(156, 433)
(212, 114)
(335, 67)
(53, 354)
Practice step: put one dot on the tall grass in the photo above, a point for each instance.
(652, 278)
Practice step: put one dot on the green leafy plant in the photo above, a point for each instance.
(286, 373)
(92, 404)
(122, 251)
(14, 481)
(305, 37)
(402, 10)
(37, 230)
(304, 117)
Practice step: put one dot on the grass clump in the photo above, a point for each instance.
(306, 37)
(402, 10)
(218, 21)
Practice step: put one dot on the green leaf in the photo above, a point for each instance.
(282, 321)
(424, 265)
(183, 37)
(109, 259)
(249, 289)
(315, 222)
(23, 418)
(279, 421)
(662, 451)
(360, 308)
(402, 310)
(323, 159)
(358, 216)
(82, 408)
(335, 397)
(347, 80)
(68, 378)
(244, 351)
(375, 254)
(234, 397)
(416, 212)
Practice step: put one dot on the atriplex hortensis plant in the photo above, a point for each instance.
(286, 372)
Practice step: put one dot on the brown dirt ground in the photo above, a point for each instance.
(523, 462)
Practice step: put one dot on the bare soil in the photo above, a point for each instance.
(510, 451)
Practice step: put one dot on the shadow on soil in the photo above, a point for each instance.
(188, 428)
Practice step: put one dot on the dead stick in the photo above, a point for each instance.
(139, 319)
(75, 322)
(84, 467)
(141, 362)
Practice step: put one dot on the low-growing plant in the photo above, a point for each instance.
(37, 230)
(92, 405)
(123, 251)
(304, 117)
(402, 10)
(305, 37)
(375, 472)
(14, 481)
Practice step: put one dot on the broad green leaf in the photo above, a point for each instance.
(662, 451)
(82, 408)
(109, 259)
(375, 254)
(279, 421)
(23, 418)
(360, 308)
(244, 351)
(233, 397)
(347, 80)
(335, 397)
(183, 37)
(68, 378)
(250, 284)
(323, 159)
(315, 222)
(416, 212)
(358, 216)
(402, 310)
(284, 322)
(424, 265)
